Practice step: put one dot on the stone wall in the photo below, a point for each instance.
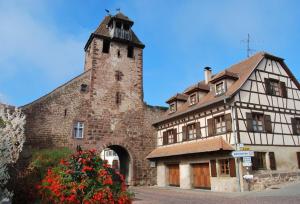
(263, 181)
(49, 120)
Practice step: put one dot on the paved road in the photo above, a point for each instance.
(154, 195)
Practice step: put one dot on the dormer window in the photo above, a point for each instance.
(173, 107)
(220, 88)
(193, 99)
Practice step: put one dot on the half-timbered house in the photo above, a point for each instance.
(255, 103)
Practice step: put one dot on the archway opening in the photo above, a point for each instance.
(119, 159)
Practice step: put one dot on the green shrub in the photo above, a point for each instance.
(45, 158)
(24, 182)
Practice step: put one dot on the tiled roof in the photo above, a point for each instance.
(200, 146)
(103, 31)
(224, 74)
(178, 97)
(200, 86)
(241, 71)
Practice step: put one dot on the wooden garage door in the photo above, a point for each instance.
(174, 174)
(201, 176)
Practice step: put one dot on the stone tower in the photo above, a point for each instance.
(103, 107)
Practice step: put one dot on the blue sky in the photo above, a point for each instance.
(41, 42)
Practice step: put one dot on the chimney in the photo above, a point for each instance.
(207, 74)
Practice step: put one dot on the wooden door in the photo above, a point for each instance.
(174, 175)
(201, 175)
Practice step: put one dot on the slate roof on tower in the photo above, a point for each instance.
(103, 31)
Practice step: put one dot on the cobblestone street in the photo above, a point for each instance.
(154, 195)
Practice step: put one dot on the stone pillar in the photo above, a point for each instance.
(185, 175)
(161, 175)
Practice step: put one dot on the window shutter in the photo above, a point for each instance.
(249, 121)
(213, 168)
(268, 86)
(211, 124)
(254, 162)
(294, 126)
(165, 138)
(228, 122)
(283, 89)
(232, 167)
(272, 161)
(184, 133)
(175, 135)
(268, 123)
(298, 158)
(198, 130)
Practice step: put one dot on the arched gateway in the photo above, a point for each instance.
(125, 161)
(103, 107)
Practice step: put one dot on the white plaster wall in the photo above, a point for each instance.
(185, 175)
(161, 175)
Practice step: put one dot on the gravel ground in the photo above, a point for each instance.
(155, 195)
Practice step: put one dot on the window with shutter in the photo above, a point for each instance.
(283, 89)
(224, 167)
(296, 125)
(171, 137)
(175, 135)
(272, 161)
(191, 131)
(267, 123)
(259, 161)
(249, 122)
(220, 124)
(184, 138)
(257, 122)
(228, 122)
(198, 130)
(211, 128)
(275, 87)
(165, 138)
(232, 167)
(213, 168)
(267, 85)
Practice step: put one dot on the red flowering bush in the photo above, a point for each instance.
(83, 178)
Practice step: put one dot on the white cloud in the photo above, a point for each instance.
(26, 39)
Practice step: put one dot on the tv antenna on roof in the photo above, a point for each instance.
(247, 41)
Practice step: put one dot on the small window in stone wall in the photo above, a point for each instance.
(119, 53)
(118, 98)
(118, 75)
(130, 51)
(83, 87)
(106, 46)
(65, 112)
(78, 130)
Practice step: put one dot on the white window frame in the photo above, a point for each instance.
(192, 102)
(221, 91)
(79, 125)
(172, 110)
(220, 124)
